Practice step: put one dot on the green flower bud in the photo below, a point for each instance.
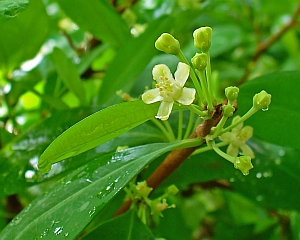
(142, 189)
(231, 94)
(172, 190)
(168, 44)
(261, 100)
(228, 110)
(199, 61)
(244, 164)
(202, 38)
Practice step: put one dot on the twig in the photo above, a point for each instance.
(263, 46)
(176, 157)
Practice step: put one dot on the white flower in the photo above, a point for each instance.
(237, 139)
(169, 89)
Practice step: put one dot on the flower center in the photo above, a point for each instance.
(168, 89)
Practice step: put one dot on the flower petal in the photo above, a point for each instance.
(187, 96)
(162, 70)
(164, 110)
(232, 151)
(247, 151)
(226, 137)
(152, 96)
(182, 73)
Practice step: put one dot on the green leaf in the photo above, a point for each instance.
(18, 160)
(295, 224)
(11, 8)
(280, 124)
(95, 130)
(22, 37)
(71, 205)
(69, 74)
(129, 227)
(224, 38)
(130, 61)
(99, 18)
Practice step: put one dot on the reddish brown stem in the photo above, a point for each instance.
(176, 157)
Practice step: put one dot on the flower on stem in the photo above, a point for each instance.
(261, 100)
(237, 139)
(202, 38)
(168, 44)
(169, 89)
(243, 163)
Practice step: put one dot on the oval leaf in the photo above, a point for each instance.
(95, 130)
(73, 203)
(280, 124)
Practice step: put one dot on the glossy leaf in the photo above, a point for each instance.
(26, 38)
(67, 208)
(95, 130)
(129, 226)
(268, 183)
(11, 8)
(69, 74)
(130, 61)
(279, 124)
(18, 160)
(99, 18)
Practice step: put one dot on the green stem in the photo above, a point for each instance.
(180, 121)
(193, 76)
(210, 99)
(170, 130)
(162, 128)
(196, 110)
(221, 153)
(219, 127)
(190, 125)
(207, 148)
(242, 119)
(201, 75)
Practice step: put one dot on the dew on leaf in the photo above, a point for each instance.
(92, 212)
(265, 109)
(88, 180)
(58, 230)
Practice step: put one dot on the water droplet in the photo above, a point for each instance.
(88, 180)
(101, 194)
(58, 230)
(265, 109)
(15, 221)
(66, 234)
(92, 212)
(246, 173)
(258, 175)
(54, 222)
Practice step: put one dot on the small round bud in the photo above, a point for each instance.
(168, 44)
(231, 94)
(228, 110)
(172, 190)
(142, 189)
(261, 100)
(244, 164)
(199, 61)
(202, 38)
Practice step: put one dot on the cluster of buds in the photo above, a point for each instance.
(139, 194)
(170, 90)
